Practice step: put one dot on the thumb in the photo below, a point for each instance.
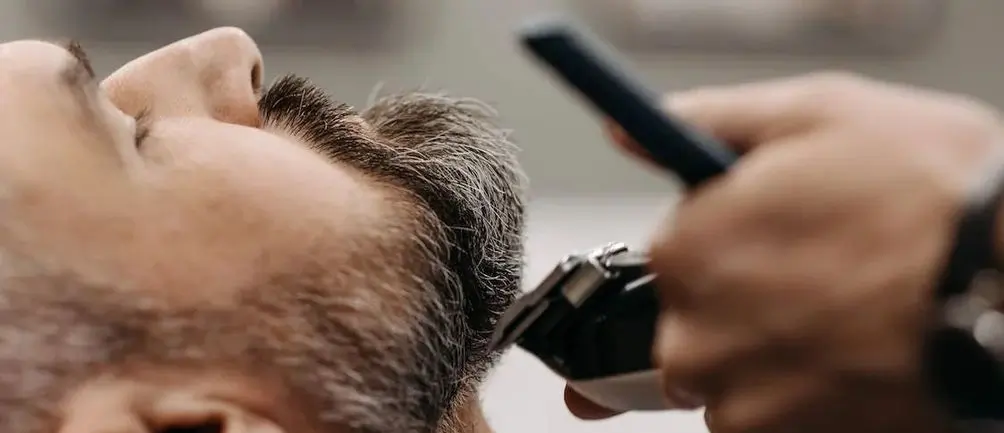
(585, 409)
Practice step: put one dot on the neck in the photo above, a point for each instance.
(467, 417)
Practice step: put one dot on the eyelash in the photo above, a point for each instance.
(142, 129)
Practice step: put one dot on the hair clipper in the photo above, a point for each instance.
(592, 319)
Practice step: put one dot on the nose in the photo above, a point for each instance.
(214, 74)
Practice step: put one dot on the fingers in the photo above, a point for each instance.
(689, 356)
(697, 337)
(760, 402)
(686, 350)
(746, 116)
(585, 409)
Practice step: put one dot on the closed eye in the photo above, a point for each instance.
(142, 128)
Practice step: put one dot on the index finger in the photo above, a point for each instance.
(745, 116)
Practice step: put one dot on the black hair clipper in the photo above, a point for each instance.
(592, 319)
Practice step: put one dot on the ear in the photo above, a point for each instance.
(180, 413)
(131, 407)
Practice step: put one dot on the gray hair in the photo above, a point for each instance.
(460, 168)
(467, 174)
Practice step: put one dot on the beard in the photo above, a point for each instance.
(358, 353)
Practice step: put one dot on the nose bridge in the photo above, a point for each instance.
(216, 74)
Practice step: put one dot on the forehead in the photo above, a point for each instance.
(45, 60)
(35, 77)
(35, 69)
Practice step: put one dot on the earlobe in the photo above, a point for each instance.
(124, 406)
(181, 413)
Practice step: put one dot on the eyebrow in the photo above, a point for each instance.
(78, 74)
(79, 70)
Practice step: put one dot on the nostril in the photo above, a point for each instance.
(256, 78)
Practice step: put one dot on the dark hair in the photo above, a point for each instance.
(461, 170)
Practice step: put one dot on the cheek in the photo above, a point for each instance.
(61, 192)
(225, 168)
(237, 201)
(57, 138)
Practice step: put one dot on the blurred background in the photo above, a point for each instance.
(583, 192)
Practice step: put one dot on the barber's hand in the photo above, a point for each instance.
(797, 288)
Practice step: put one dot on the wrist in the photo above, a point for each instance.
(965, 362)
(978, 245)
(998, 237)
(998, 259)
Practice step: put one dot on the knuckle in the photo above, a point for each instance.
(968, 123)
(835, 84)
(836, 80)
(975, 115)
(662, 253)
(672, 355)
(679, 390)
(664, 248)
(732, 270)
(677, 260)
(736, 417)
(721, 422)
(666, 341)
(827, 93)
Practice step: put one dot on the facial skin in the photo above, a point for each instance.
(243, 260)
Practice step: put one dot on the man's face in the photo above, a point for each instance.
(182, 249)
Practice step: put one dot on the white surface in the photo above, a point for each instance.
(522, 395)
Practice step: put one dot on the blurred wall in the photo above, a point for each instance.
(466, 46)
